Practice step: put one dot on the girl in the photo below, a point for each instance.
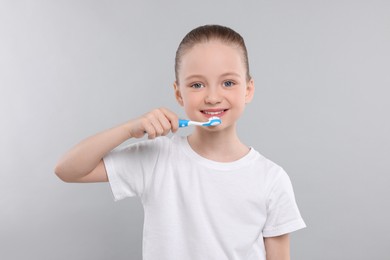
(208, 195)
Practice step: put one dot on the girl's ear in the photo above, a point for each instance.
(250, 91)
(178, 93)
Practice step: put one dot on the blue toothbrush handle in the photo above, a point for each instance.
(183, 122)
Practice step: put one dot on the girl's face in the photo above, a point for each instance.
(212, 82)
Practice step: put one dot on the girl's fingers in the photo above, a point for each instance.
(149, 129)
(172, 119)
(158, 128)
(160, 120)
(166, 122)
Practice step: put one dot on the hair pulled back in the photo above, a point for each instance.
(206, 33)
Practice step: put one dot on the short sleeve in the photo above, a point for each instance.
(128, 168)
(283, 215)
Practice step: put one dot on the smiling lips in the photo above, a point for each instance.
(214, 112)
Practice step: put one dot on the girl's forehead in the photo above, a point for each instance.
(212, 56)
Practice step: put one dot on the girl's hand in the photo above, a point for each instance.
(158, 122)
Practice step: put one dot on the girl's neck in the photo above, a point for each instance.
(220, 146)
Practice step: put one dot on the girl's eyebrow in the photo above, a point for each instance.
(230, 74)
(193, 76)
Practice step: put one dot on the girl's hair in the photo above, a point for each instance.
(207, 33)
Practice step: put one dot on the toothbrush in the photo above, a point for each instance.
(213, 121)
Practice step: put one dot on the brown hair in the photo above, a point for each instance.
(207, 33)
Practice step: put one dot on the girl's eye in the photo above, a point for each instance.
(197, 85)
(228, 83)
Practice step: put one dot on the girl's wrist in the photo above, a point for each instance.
(128, 127)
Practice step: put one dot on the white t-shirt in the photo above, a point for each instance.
(195, 208)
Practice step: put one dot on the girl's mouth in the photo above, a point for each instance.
(214, 112)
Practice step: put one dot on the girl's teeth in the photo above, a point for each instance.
(213, 113)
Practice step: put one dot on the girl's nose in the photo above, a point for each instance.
(213, 96)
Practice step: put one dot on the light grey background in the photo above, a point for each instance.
(69, 69)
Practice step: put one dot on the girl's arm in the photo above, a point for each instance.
(84, 162)
(277, 248)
